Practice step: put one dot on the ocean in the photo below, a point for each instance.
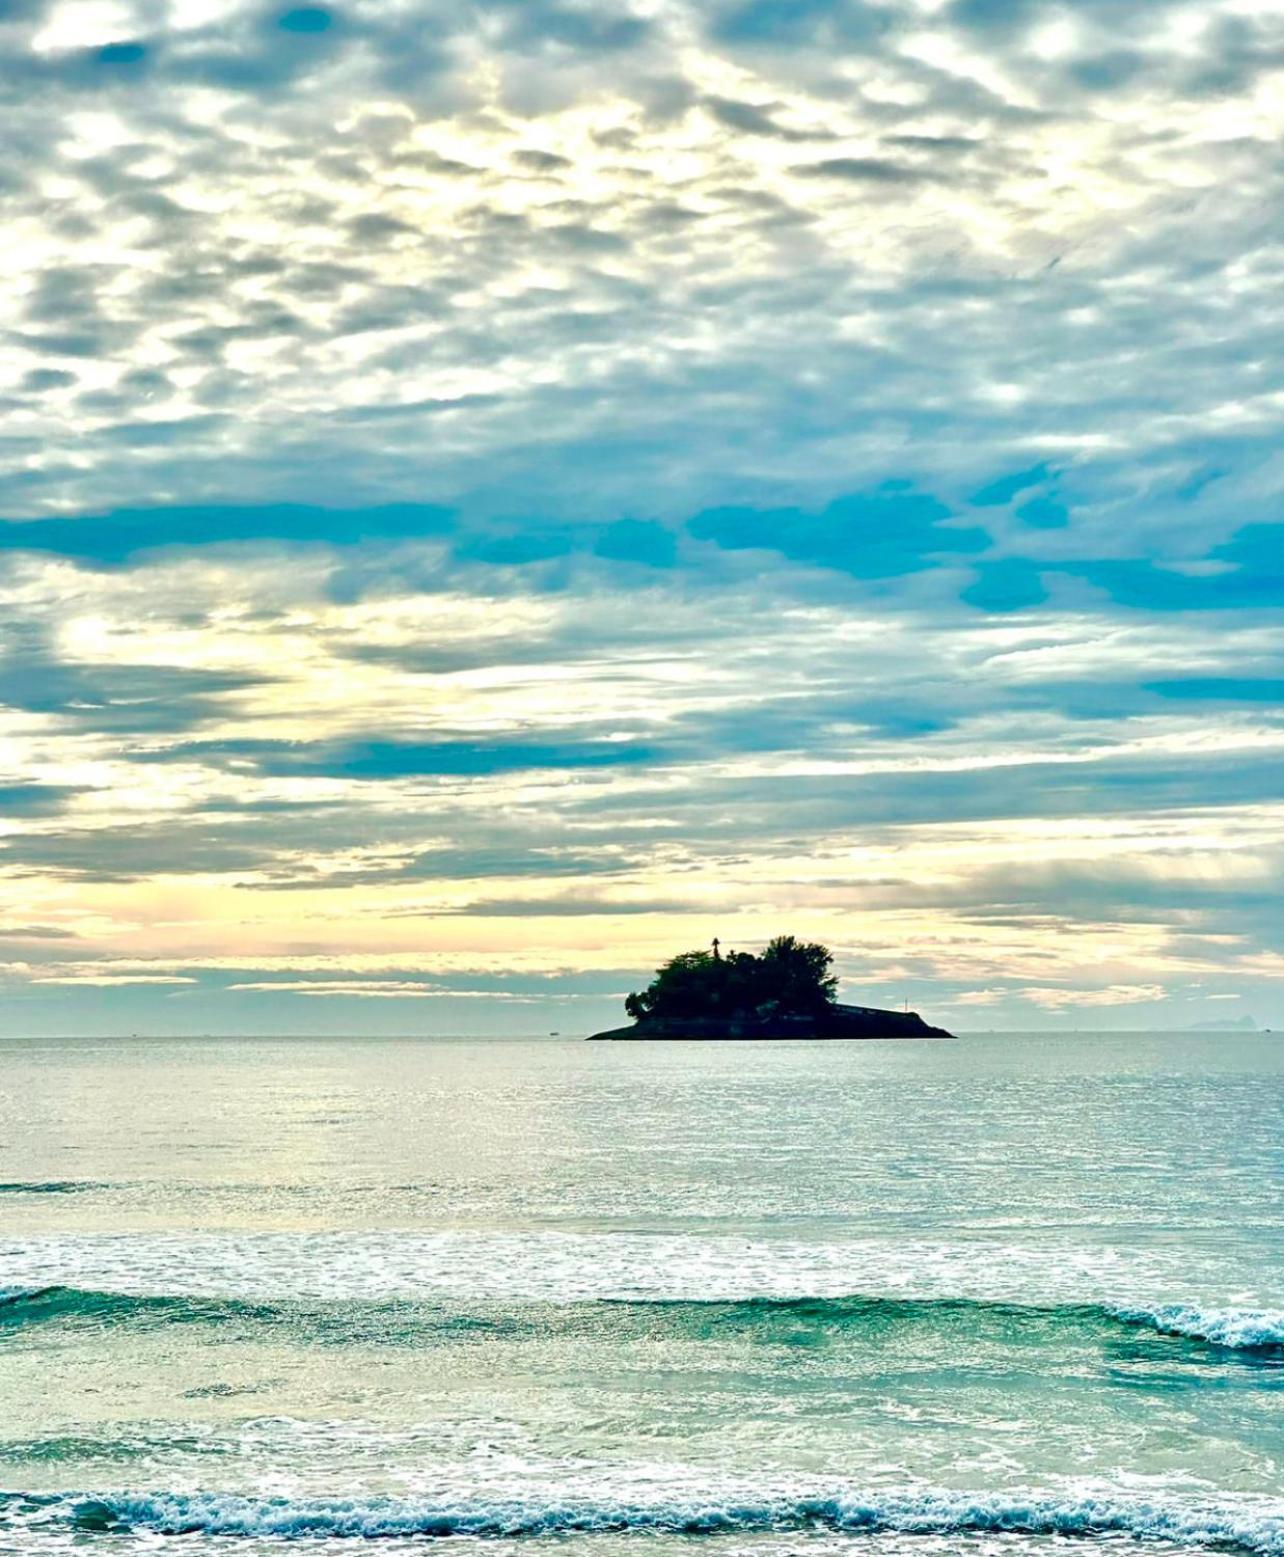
(853, 1300)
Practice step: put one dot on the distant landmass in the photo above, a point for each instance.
(1225, 1024)
(786, 991)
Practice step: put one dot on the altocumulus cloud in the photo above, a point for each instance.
(494, 487)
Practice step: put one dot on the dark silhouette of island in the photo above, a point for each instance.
(786, 991)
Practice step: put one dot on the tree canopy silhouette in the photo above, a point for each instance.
(790, 977)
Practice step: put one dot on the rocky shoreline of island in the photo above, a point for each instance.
(838, 1021)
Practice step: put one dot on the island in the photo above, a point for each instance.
(785, 991)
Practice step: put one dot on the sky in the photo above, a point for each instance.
(496, 492)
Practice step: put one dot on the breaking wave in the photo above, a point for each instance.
(1238, 1329)
(1255, 1526)
(1250, 1330)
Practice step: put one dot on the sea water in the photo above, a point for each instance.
(996, 1296)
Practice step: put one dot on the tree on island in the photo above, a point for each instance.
(789, 978)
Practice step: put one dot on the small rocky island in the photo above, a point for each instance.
(785, 991)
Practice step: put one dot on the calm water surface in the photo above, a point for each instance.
(1002, 1295)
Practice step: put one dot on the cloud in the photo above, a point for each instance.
(34, 799)
(1006, 584)
(876, 170)
(1250, 575)
(1225, 689)
(800, 23)
(881, 534)
(628, 337)
(378, 760)
(113, 980)
(754, 119)
(122, 698)
(111, 539)
(364, 989)
(484, 483)
(1053, 998)
(638, 540)
(562, 905)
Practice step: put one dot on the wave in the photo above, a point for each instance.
(1236, 1329)
(50, 1187)
(1255, 1331)
(43, 1305)
(1255, 1526)
(1232, 1329)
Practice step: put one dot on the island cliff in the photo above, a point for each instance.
(786, 991)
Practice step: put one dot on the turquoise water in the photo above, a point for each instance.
(1008, 1294)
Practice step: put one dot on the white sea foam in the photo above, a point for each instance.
(570, 1266)
(1253, 1525)
(1141, 1288)
(1241, 1328)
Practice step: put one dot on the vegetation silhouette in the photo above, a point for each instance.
(789, 978)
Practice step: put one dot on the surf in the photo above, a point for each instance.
(1251, 1525)
(1256, 1331)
